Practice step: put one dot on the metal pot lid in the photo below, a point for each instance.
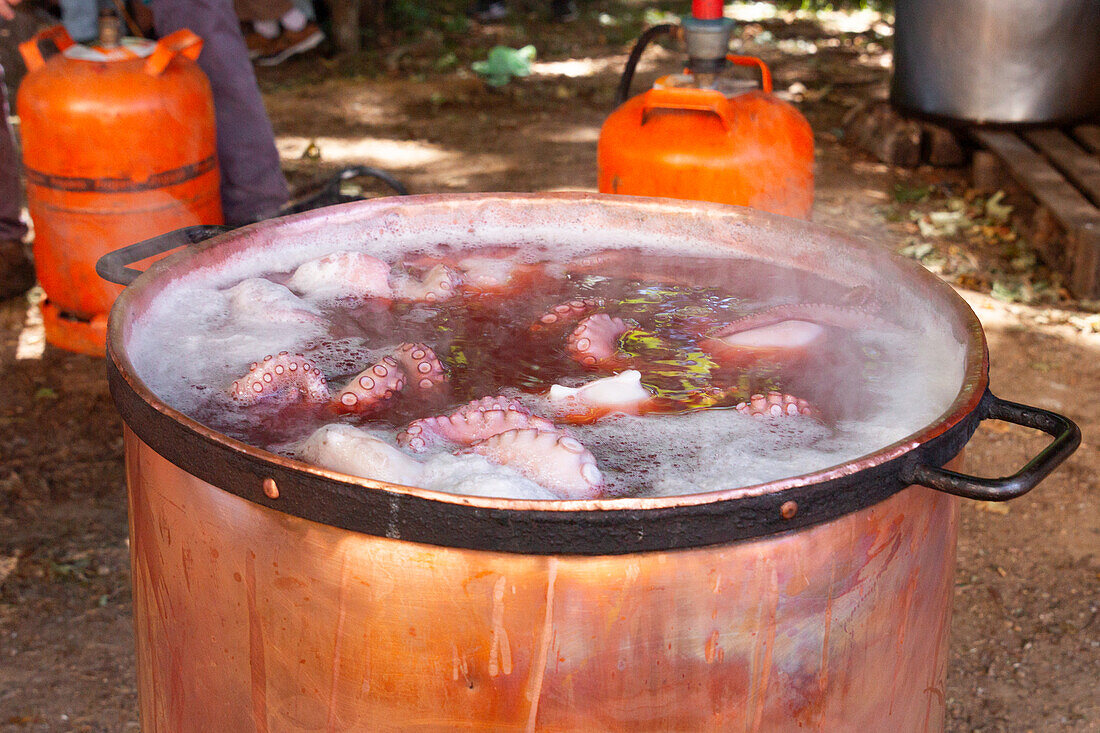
(590, 527)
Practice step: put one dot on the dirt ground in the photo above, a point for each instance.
(1025, 639)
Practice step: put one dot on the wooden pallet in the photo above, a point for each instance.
(1060, 168)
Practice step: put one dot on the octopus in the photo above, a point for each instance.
(473, 422)
(289, 378)
(342, 275)
(504, 430)
(785, 333)
(622, 393)
(549, 458)
(594, 343)
(438, 284)
(259, 299)
(284, 376)
(355, 451)
(775, 404)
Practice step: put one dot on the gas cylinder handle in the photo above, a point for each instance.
(688, 98)
(1066, 434)
(765, 72)
(31, 50)
(181, 43)
(113, 266)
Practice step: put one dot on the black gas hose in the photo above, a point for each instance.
(646, 38)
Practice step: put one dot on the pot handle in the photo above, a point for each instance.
(113, 265)
(1067, 436)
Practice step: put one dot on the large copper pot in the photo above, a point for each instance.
(271, 595)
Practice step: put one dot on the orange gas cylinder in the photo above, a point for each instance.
(118, 146)
(684, 142)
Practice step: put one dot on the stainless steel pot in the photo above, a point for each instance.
(998, 61)
(273, 595)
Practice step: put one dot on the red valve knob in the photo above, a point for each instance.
(706, 9)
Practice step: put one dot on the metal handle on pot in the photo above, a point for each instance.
(113, 265)
(1067, 436)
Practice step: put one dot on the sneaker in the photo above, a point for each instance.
(290, 43)
(490, 12)
(16, 270)
(258, 45)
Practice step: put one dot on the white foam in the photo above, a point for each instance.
(473, 475)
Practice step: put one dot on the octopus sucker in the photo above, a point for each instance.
(594, 342)
(470, 423)
(622, 394)
(286, 376)
(421, 366)
(439, 283)
(775, 404)
(565, 313)
(555, 461)
(371, 387)
(343, 274)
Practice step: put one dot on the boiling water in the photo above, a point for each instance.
(869, 387)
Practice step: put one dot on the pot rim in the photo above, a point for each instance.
(869, 478)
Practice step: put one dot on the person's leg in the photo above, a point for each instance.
(253, 186)
(81, 19)
(16, 272)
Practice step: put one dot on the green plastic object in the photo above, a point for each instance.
(504, 63)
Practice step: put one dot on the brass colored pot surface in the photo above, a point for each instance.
(250, 619)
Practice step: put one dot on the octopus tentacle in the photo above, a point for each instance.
(823, 314)
(775, 404)
(372, 386)
(288, 376)
(785, 341)
(438, 284)
(595, 340)
(493, 402)
(564, 313)
(343, 274)
(622, 393)
(420, 364)
(467, 428)
(555, 461)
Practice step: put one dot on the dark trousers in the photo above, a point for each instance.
(253, 186)
(10, 226)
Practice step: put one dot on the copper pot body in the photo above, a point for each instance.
(250, 619)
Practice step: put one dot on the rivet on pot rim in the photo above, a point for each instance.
(272, 491)
(787, 510)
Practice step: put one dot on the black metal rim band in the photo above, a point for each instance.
(77, 184)
(414, 518)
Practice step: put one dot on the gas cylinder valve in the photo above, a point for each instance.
(707, 37)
